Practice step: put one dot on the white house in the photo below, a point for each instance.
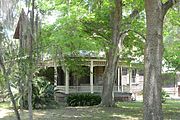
(129, 78)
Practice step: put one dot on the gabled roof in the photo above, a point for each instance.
(23, 17)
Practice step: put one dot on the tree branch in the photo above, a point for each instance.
(168, 5)
(95, 30)
(132, 16)
(124, 33)
(140, 34)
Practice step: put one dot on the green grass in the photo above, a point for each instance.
(123, 110)
(134, 109)
(5, 105)
(171, 110)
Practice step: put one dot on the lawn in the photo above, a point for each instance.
(124, 110)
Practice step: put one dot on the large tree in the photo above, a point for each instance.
(155, 13)
(120, 27)
(112, 57)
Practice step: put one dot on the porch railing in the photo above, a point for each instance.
(171, 90)
(134, 89)
(81, 89)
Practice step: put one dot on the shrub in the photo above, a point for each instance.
(164, 96)
(83, 99)
(42, 94)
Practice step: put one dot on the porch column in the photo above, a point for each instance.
(121, 80)
(91, 76)
(130, 77)
(118, 79)
(55, 74)
(137, 76)
(67, 81)
(175, 90)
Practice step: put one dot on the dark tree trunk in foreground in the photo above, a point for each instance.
(155, 12)
(113, 57)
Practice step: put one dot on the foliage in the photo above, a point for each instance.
(86, 26)
(47, 73)
(43, 94)
(83, 99)
(171, 41)
(172, 53)
(67, 32)
(2, 82)
(75, 66)
(168, 79)
(164, 96)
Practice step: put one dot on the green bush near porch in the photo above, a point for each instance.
(83, 99)
(42, 94)
(164, 96)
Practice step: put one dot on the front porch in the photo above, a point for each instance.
(61, 93)
(129, 82)
(129, 79)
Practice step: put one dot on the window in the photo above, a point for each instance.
(134, 75)
(141, 72)
(124, 71)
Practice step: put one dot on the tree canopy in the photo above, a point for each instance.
(59, 29)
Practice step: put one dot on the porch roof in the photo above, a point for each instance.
(97, 61)
(22, 18)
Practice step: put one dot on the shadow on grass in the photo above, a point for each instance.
(7, 113)
(79, 113)
(124, 110)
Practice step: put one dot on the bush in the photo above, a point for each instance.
(164, 96)
(42, 94)
(83, 99)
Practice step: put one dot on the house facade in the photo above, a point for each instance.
(129, 78)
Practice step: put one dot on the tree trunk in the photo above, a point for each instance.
(109, 77)
(20, 62)
(153, 61)
(113, 57)
(30, 94)
(21, 92)
(155, 12)
(31, 63)
(12, 98)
